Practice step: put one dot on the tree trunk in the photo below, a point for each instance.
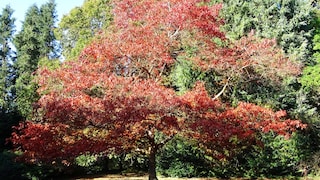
(152, 164)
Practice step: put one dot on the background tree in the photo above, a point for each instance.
(35, 41)
(78, 28)
(309, 98)
(7, 74)
(113, 98)
(48, 18)
(288, 21)
(293, 25)
(6, 57)
(310, 78)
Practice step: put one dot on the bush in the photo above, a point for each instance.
(278, 156)
(182, 158)
(8, 168)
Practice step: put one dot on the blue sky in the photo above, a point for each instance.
(20, 7)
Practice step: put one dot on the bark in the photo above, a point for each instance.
(152, 164)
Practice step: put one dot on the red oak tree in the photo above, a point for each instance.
(113, 99)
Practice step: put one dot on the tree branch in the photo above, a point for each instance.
(223, 89)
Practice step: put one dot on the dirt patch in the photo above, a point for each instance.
(130, 176)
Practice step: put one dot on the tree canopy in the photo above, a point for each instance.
(78, 28)
(114, 97)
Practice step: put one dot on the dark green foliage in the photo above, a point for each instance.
(13, 170)
(48, 17)
(8, 117)
(308, 99)
(310, 78)
(265, 93)
(6, 59)
(181, 158)
(28, 48)
(8, 168)
(26, 94)
(35, 41)
(184, 75)
(27, 43)
(7, 120)
(288, 21)
(278, 156)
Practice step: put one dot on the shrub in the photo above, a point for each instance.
(182, 158)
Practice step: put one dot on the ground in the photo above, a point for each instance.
(145, 177)
(130, 176)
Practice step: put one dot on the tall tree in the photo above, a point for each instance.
(7, 76)
(77, 28)
(35, 41)
(48, 17)
(6, 57)
(113, 98)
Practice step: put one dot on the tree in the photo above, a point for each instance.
(78, 28)
(35, 41)
(7, 72)
(113, 97)
(288, 21)
(310, 78)
(48, 17)
(6, 57)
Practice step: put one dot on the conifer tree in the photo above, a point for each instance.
(6, 57)
(288, 21)
(48, 18)
(35, 41)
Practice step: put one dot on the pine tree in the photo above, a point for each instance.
(6, 57)
(48, 18)
(8, 117)
(35, 41)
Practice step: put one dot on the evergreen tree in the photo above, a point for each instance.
(35, 41)
(288, 21)
(48, 18)
(6, 57)
(28, 49)
(8, 117)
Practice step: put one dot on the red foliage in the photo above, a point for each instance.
(265, 58)
(53, 143)
(220, 127)
(112, 97)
